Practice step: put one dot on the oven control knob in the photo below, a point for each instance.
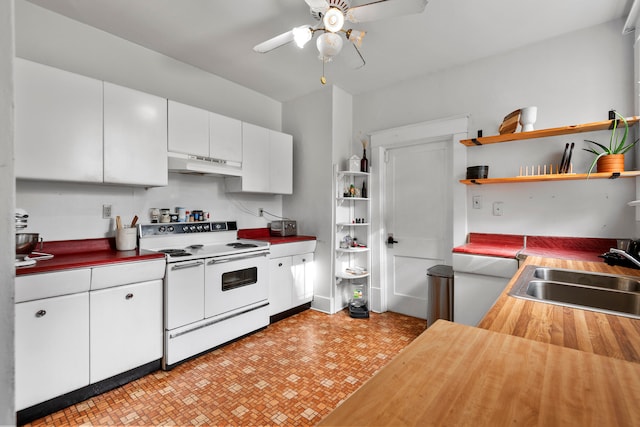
(162, 229)
(199, 227)
(185, 228)
(217, 226)
(192, 228)
(206, 227)
(170, 229)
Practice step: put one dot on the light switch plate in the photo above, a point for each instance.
(497, 208)
(477, 202)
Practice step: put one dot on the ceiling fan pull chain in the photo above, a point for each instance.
(323, 79)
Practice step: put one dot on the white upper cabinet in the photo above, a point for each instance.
(267, 162)
(188, 129)
(280, 162)
(202, 133)
(255, 160)
(225, 138)
(135, 137)
(58, 124)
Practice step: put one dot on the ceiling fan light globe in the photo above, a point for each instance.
(301, 35)
(333, 20)
(329, 45)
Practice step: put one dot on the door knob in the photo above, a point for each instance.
(390, 240)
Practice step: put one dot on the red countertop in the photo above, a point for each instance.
(263, 234)
(514, 246)
(498, 245)
(69, 254)
(576, 248)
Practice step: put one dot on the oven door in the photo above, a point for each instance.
(234, 282)
(184, 286)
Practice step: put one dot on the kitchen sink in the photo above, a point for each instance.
(606, 293)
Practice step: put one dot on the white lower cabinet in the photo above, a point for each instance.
(478, 281)
(51, 347)
(280, 285)
(290, 282)
(303, 278)
(126, 328)
(76, 327)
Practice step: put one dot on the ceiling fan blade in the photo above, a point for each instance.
(274, 42)
(385, 9)
(318, 5)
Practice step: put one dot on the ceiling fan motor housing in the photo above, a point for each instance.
(342, 5)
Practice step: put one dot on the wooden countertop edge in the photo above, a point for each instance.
(459, 375)
(589, 331)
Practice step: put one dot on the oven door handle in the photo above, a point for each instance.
(223, 260)
(183, 266)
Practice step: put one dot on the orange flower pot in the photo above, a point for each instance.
(611, 163)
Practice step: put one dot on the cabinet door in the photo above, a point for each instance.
(135, 137)
(51, 347)
(303, 278)
(280, 285)
(188, 129)
(126, 328)
(280, 163)
(225, 138)
(58, 124)
(255, 158)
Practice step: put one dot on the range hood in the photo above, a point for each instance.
(190, 164)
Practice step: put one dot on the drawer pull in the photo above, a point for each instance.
(41, 313)
(129, 296)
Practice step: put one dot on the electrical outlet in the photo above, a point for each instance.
(260, 212)
(106, 211)
(477, 202)
(497, 208)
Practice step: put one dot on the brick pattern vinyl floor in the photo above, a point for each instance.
(293, 373)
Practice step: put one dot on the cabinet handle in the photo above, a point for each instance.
(279, 264)
(128, 296)
(41, 313)
(304, 260)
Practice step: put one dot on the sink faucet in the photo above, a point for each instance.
(626, 255)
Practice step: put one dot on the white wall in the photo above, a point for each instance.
(308, 119)
(60, 211)
(7, 225)
(321, 127)
(572, 79)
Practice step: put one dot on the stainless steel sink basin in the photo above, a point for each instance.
(611, 294)
(621, 283)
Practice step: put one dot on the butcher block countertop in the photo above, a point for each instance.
(607, 335)
(527, 363)
(459, 375)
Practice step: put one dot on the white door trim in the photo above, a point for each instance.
(453, 128)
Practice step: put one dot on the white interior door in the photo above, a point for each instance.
(417, 215)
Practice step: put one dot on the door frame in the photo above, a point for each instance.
(453, 129)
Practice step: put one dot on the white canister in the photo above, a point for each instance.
(126, 239)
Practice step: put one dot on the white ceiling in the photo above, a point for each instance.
(218, 36)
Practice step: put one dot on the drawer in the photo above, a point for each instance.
(46, 285)
(125, 273)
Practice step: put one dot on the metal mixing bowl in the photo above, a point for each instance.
(26, 243)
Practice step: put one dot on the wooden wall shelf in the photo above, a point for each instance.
(543, 133)
(550, 177)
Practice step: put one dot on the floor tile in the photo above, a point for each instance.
(292, 373)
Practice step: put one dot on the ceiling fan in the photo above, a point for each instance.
(331, 16)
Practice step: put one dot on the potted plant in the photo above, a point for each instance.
(611, 158)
